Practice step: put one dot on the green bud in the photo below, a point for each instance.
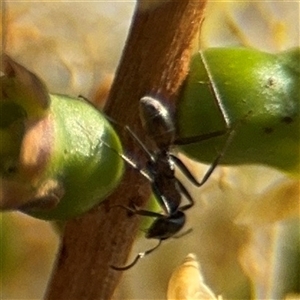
(53, 162)
(255, 93)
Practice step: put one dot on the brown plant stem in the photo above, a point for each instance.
(155, 61)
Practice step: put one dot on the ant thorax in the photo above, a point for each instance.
(161, 165)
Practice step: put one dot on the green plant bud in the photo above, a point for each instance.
(256, 94)
(25, 88)
(90, 170)
(54, 164)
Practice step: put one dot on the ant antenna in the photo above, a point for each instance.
(129, 161)
(137, 258)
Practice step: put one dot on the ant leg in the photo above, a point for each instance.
(199, 138)
(208, 173)
(130, 162)
(138, 257)
(183, 168)
(187, 195)
(214, 89)
(144, 172)
(139, 142)
(133, 136)
(141, 212)
(217, 159)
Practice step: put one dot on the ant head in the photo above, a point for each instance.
(157, 121)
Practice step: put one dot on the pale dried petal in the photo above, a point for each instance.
(187, 283)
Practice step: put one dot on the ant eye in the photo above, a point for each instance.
(250, 90)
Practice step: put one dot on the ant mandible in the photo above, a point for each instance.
(160, 172)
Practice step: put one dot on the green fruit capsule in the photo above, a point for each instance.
(81, 164)
(53, 162)
(256, 94)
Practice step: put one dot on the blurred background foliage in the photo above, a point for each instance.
(245, 221)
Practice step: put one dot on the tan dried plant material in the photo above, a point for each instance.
(187, 282)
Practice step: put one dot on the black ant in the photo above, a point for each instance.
(160, 171)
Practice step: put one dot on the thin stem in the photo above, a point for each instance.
(155, 61)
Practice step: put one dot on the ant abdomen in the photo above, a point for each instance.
(165, 227)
